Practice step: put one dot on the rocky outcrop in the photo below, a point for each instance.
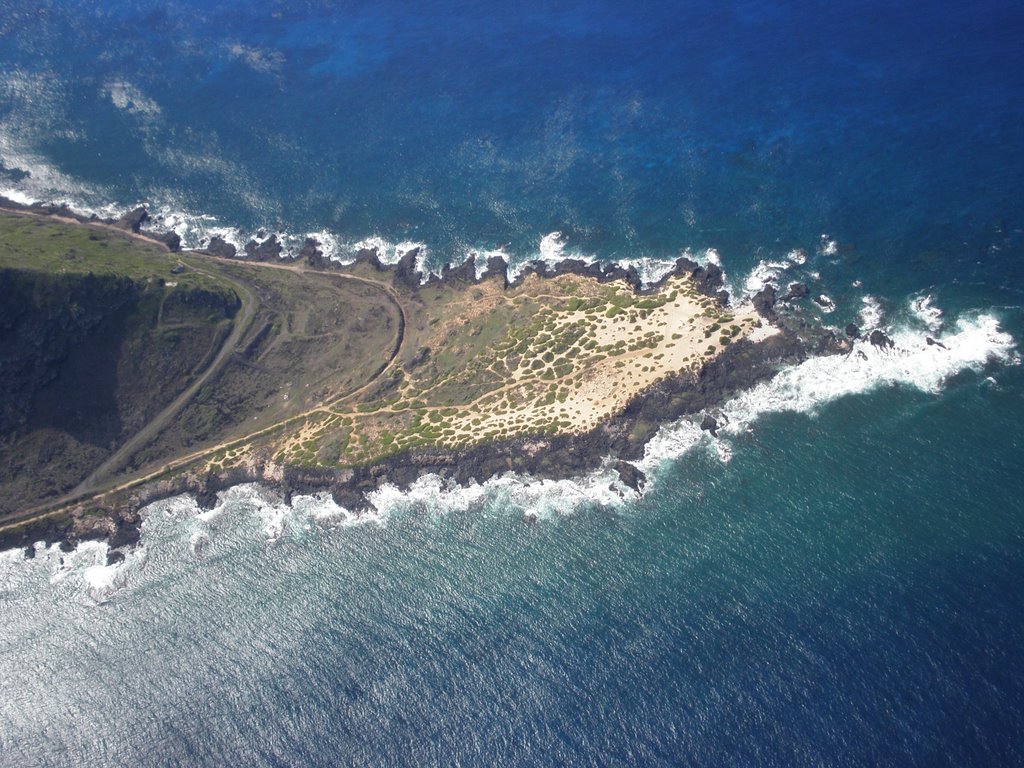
(496, 267)
(852, 330)
(796, 291)
(406, 272)
(709, 424)
(133, 220)
(171, 239)
(879, 339)
(764, 303)
(708, 280)
(268, 250)
(630, 476)
(221, 248)
(311, 254)
(465, 273)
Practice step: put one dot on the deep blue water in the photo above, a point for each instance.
(846, 590)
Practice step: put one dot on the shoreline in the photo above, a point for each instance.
(113, 516)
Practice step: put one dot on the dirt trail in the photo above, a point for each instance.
(117, 460)
(92, 485)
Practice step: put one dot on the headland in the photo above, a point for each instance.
(132, 371)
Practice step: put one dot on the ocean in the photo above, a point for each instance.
(837, 578)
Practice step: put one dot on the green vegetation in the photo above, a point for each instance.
(212, 363)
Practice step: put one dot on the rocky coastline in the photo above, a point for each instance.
(620, 440)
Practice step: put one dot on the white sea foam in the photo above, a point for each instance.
(911, 362)
(765, 273)
(17, 196)
(552, 246)
(532, 498)
(870, 314)
(807, 386)
(925, 311)
(827, 246)
(797, 256)
(650, 269)
(82, 571)
(671, 442)
(825, 303)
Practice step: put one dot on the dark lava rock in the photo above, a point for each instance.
(796, 291)
(708, 280)
(629, 275)
(311, 254)
(115, 556)
(934, 343)
(879, 339)
(497, 266)
(465, 273)
(133, 220)
(14, 174)
(171, 239)
(371, 257)
(406, 272)
(630, 476)
(30, 552)
(268, 250)
(852, 331)
(830, 344)
(764, 303)
(709, 424)
(220, 247)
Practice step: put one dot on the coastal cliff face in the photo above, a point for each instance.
(85, 361)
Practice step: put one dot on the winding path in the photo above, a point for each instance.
(116, 460)
(92, 486)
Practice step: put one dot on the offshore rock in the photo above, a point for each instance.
(796, 291)
(879, 339)
(852, 330)
(709, 424)
(630, 476)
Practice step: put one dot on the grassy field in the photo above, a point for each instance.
(54, 247)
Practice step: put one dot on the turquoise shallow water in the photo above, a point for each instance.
(836, 580)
